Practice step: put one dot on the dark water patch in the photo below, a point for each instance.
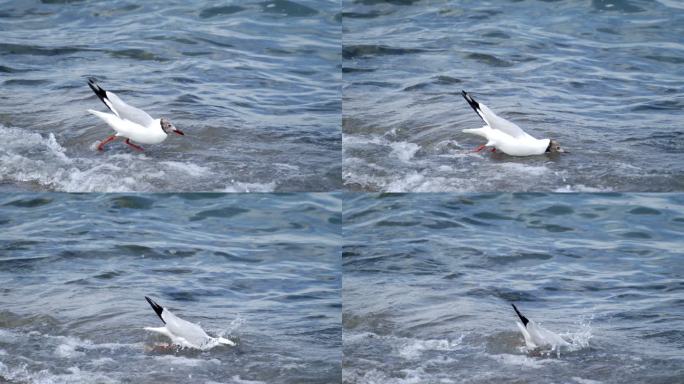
(644, 211)
(490, 60)
(138, 250)
(446, 80)
(362, 15)
(396, 223)
(132, 202)
(554, 228)
(137, 54)
(288, 8)
(35, 50)
(30, 203)
(109, 275)
(556, 210)
(220, 213)
(220, 11)
(520, 257)
(357, 70)
(491, 216)
(362, 50)
(636, 235)
(237, 258)
(6, 69)
(25, 82)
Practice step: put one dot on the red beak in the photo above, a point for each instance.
(179, 132)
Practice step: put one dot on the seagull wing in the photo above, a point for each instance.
(494, 121)
(121, 109)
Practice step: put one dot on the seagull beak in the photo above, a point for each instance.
(178, 131)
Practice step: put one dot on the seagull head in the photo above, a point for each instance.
(554, 147)
(168, 127)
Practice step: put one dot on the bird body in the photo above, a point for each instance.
(152, 134)
(182, 332)
(506, 136)
(130, 122)
(537, 337)
(525, 145)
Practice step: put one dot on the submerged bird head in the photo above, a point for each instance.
(554, 147)
(168, 127)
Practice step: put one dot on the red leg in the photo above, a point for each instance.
(493, 149)
(478, 149)
(139, 148)
(105, 141)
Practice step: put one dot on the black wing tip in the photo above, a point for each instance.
(158, 309)
(99, 92)
(520, 315)
(473, 104)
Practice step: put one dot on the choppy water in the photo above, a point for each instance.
(604, 77)
(428, 279)
(250, 84)
(263, 270)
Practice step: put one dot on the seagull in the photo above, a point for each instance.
(182, 332)
(506, 136)
(537, 337)
(130, 122)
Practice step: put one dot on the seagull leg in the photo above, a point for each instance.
(493, 149)
(478, 149)
(139, 148)
(105, 141)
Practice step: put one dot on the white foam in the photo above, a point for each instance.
(414, 348)
(102, 361)
(250, 187)
(586, 381)
(68, 349)
(187, 168)
(534, 170)
(374, 376)
(238, 380)
(521, 360)
(22, 374)
(580, 188)
(404, 151)
(362, 141)
(186, 361)
(32, 158)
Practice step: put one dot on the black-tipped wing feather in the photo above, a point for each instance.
(101, 94)
(119, 108)
(473, 104)
(520, 315)
(157, 308)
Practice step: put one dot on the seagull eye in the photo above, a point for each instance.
(557, 148)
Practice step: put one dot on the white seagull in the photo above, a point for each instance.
(182, 332)
(130, 122)
(537, 337)
(506, 136)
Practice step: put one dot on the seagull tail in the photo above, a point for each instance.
(157, 308)
(520, 315)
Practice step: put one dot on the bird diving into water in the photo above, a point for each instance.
(506, 136)
(182, 332)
